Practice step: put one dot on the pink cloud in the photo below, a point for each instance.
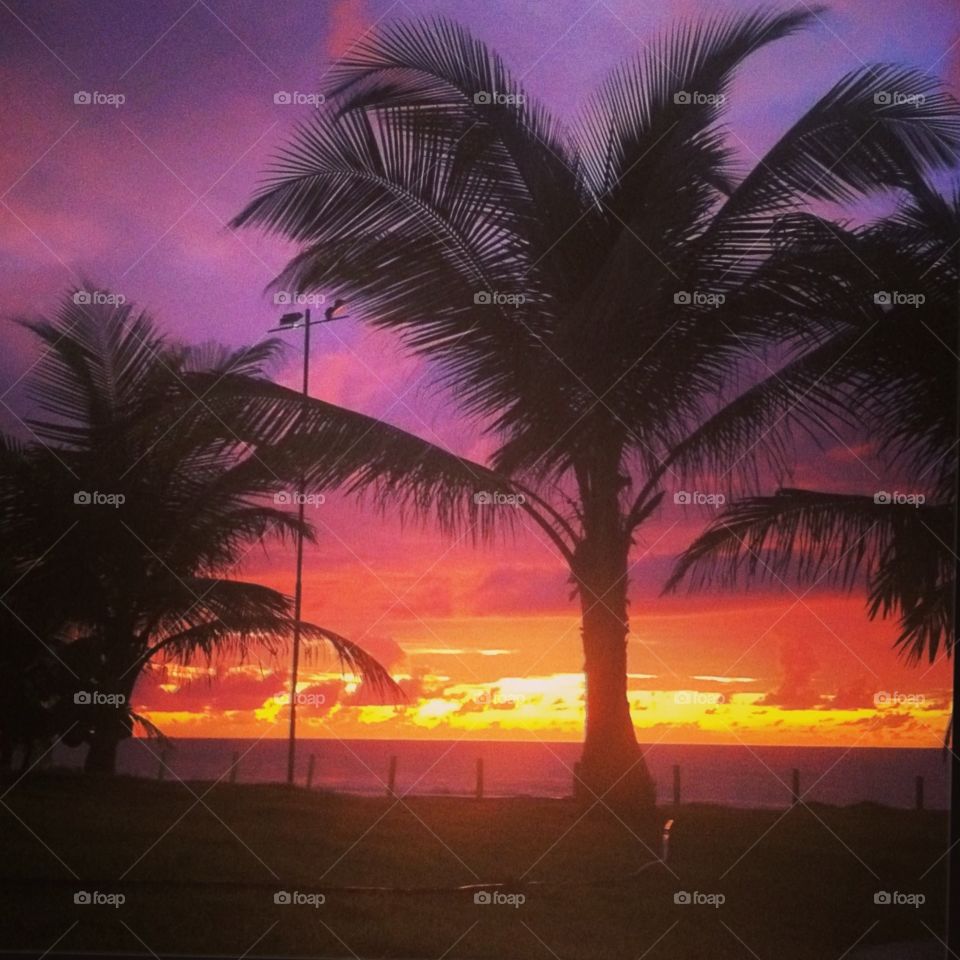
(348, 20)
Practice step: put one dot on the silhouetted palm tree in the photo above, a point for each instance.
(594, 297)
(891, 370)
(126, 516)
(889, 367)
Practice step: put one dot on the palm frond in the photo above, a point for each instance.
(436, 65)
(231, 615)
(879, 128)
(331, 447)
(97, 356)
(898, 551)
(665, 103)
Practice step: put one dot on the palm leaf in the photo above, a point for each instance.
(898, 551)
(222, 616)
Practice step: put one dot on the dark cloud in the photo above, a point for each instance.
(857, 695)
(234, 689)
(523, 589)
(795, 691)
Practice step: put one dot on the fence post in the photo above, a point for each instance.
(676, 784)
(233, 767)
(310, 765)
(795, 790)
(162, 766)
(392, 778)
(479, 778)
(918, 784)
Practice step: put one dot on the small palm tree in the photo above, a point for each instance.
(597, 298)
(128, 515)
(889, 366)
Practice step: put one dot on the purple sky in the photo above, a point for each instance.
(135, 197)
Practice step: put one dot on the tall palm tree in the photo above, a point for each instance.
(592, 296)
(128, 514)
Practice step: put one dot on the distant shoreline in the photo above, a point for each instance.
(685, 744)
(736, 775)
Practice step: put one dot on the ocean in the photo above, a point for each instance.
(736, 776)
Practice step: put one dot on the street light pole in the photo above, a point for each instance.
(288, 322)
(298, 588)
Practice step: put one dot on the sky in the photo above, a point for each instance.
(136, 195)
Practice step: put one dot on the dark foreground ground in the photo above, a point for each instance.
(200, 865)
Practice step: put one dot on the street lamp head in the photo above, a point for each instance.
(290, 319)
(328, 314)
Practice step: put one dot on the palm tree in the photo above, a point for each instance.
(889, 366)
(593, 296)
(36, 687)
(127, 516)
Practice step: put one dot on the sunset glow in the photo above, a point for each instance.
(807, 686)
(483, 639)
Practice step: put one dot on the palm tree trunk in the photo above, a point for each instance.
(109, 729)
(111, 723)
(613, 771)
(612, 768)
(102, 756)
